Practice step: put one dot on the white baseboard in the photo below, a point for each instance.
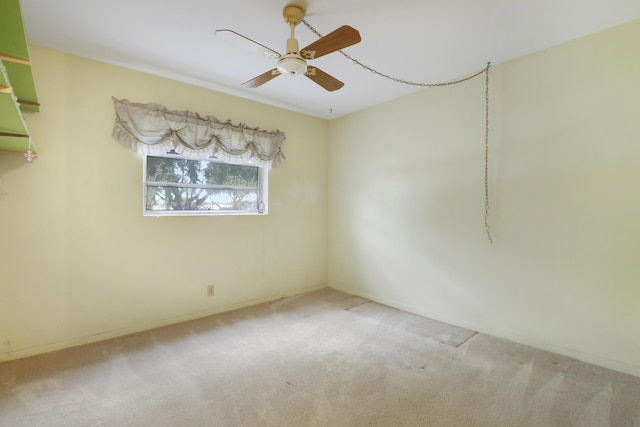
(616, 365)
(8, 354)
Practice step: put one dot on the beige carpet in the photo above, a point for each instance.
(319, 359)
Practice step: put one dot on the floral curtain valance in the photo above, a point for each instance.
(153, 129)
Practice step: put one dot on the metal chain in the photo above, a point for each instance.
(486, 156)
(395, 79)
(449, 83)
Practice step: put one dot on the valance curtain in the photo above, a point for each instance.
(153, 129)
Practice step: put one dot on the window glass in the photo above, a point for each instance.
(179, 186)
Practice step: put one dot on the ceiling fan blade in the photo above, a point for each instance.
(246, 43)
(328, 82)
(342, 37)
(262, 78)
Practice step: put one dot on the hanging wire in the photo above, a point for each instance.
(484, 71)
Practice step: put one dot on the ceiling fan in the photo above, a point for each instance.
(294, 61)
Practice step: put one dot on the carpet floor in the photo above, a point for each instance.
(324, 358)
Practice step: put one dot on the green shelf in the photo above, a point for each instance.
(17, 88)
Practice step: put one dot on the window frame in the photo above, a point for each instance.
(263, 181)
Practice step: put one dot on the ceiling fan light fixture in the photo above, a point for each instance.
(292, 64)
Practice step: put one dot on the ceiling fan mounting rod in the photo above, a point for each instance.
(293, 15)
(292, 43)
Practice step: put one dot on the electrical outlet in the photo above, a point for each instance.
(210, 291)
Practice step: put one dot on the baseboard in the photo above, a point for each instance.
(616, 365)
(13, 354)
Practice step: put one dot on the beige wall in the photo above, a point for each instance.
(406, 201)
(79, 262)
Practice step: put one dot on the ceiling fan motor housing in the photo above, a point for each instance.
(292, 63)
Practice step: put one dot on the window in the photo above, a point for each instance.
(175, 185)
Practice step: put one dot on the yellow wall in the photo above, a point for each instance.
(403, 186)
(406, 185)
(79, 262)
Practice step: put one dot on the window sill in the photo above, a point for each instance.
(203, 213)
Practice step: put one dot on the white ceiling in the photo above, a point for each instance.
(418, 40)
